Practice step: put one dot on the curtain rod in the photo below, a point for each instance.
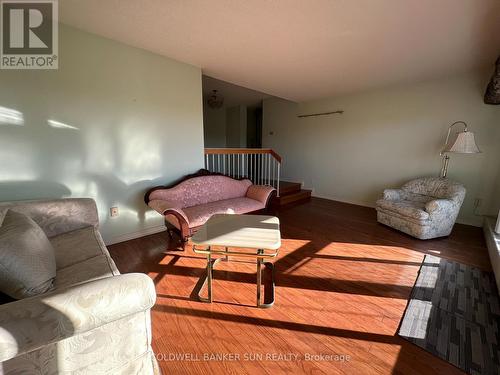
(322, 114)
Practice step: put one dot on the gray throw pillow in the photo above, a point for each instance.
(27, 261)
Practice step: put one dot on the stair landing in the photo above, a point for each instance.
(292, 192)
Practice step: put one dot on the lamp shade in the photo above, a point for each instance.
(464, 143)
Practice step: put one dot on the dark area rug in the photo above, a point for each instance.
(454, 313)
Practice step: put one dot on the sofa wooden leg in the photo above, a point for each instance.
(184, 241)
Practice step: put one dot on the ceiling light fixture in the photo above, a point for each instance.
(215, 101)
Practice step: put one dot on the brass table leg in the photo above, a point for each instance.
(269, 296)
(268, 289)
(259, 277)
(211, 263)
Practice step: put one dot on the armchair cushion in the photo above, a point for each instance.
(413, 210)
(27, 262)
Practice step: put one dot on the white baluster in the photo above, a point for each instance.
(264, 170)
(260, 169)
(274, 173)
(278, 184)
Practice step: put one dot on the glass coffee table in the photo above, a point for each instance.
(257, 236)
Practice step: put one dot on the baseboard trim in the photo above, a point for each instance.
(357, 203)
(134, 235)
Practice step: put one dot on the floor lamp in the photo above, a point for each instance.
(464, 143)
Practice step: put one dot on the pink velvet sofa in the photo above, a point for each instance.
(190, 203)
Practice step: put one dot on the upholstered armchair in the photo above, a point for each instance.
(423, 208)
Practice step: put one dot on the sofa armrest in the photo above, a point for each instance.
(394, 194)
(260, 193)
(438, 206)
(31, 323)
(168, 208)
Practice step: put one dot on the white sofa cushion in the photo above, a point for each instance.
(95, 268)
(81, 256)
(27, 262)
(76, 246)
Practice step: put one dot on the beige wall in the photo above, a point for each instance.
(136, 121)
(236, 126)
(214, 126)
(386, 137)
(225, 127)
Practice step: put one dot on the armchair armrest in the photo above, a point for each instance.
(436, 206)
(394, 194)
(31, 323)
(260, 193)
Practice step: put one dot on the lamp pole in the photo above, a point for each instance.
(446, 158)
(497, 227)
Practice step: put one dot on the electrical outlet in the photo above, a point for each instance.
(113, 211)
(477, 202)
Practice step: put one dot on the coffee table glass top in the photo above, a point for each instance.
(248, 231)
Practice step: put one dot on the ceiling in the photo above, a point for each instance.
(304, 49)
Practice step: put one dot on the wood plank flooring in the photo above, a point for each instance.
(342, 284)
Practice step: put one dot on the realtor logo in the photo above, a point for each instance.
(29, 37)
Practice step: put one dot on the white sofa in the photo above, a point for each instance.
(423, 208)
(94, 320)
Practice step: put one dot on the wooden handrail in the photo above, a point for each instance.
(232, 151)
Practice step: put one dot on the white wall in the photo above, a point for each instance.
(386, 137)
(137, 121)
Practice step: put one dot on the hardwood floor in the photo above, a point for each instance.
(342, 284)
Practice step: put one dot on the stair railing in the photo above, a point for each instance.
(259, 165)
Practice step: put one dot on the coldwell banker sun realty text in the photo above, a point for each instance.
(29, 37)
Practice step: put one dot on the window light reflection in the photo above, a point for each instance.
(10, 116)
(61, 125)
